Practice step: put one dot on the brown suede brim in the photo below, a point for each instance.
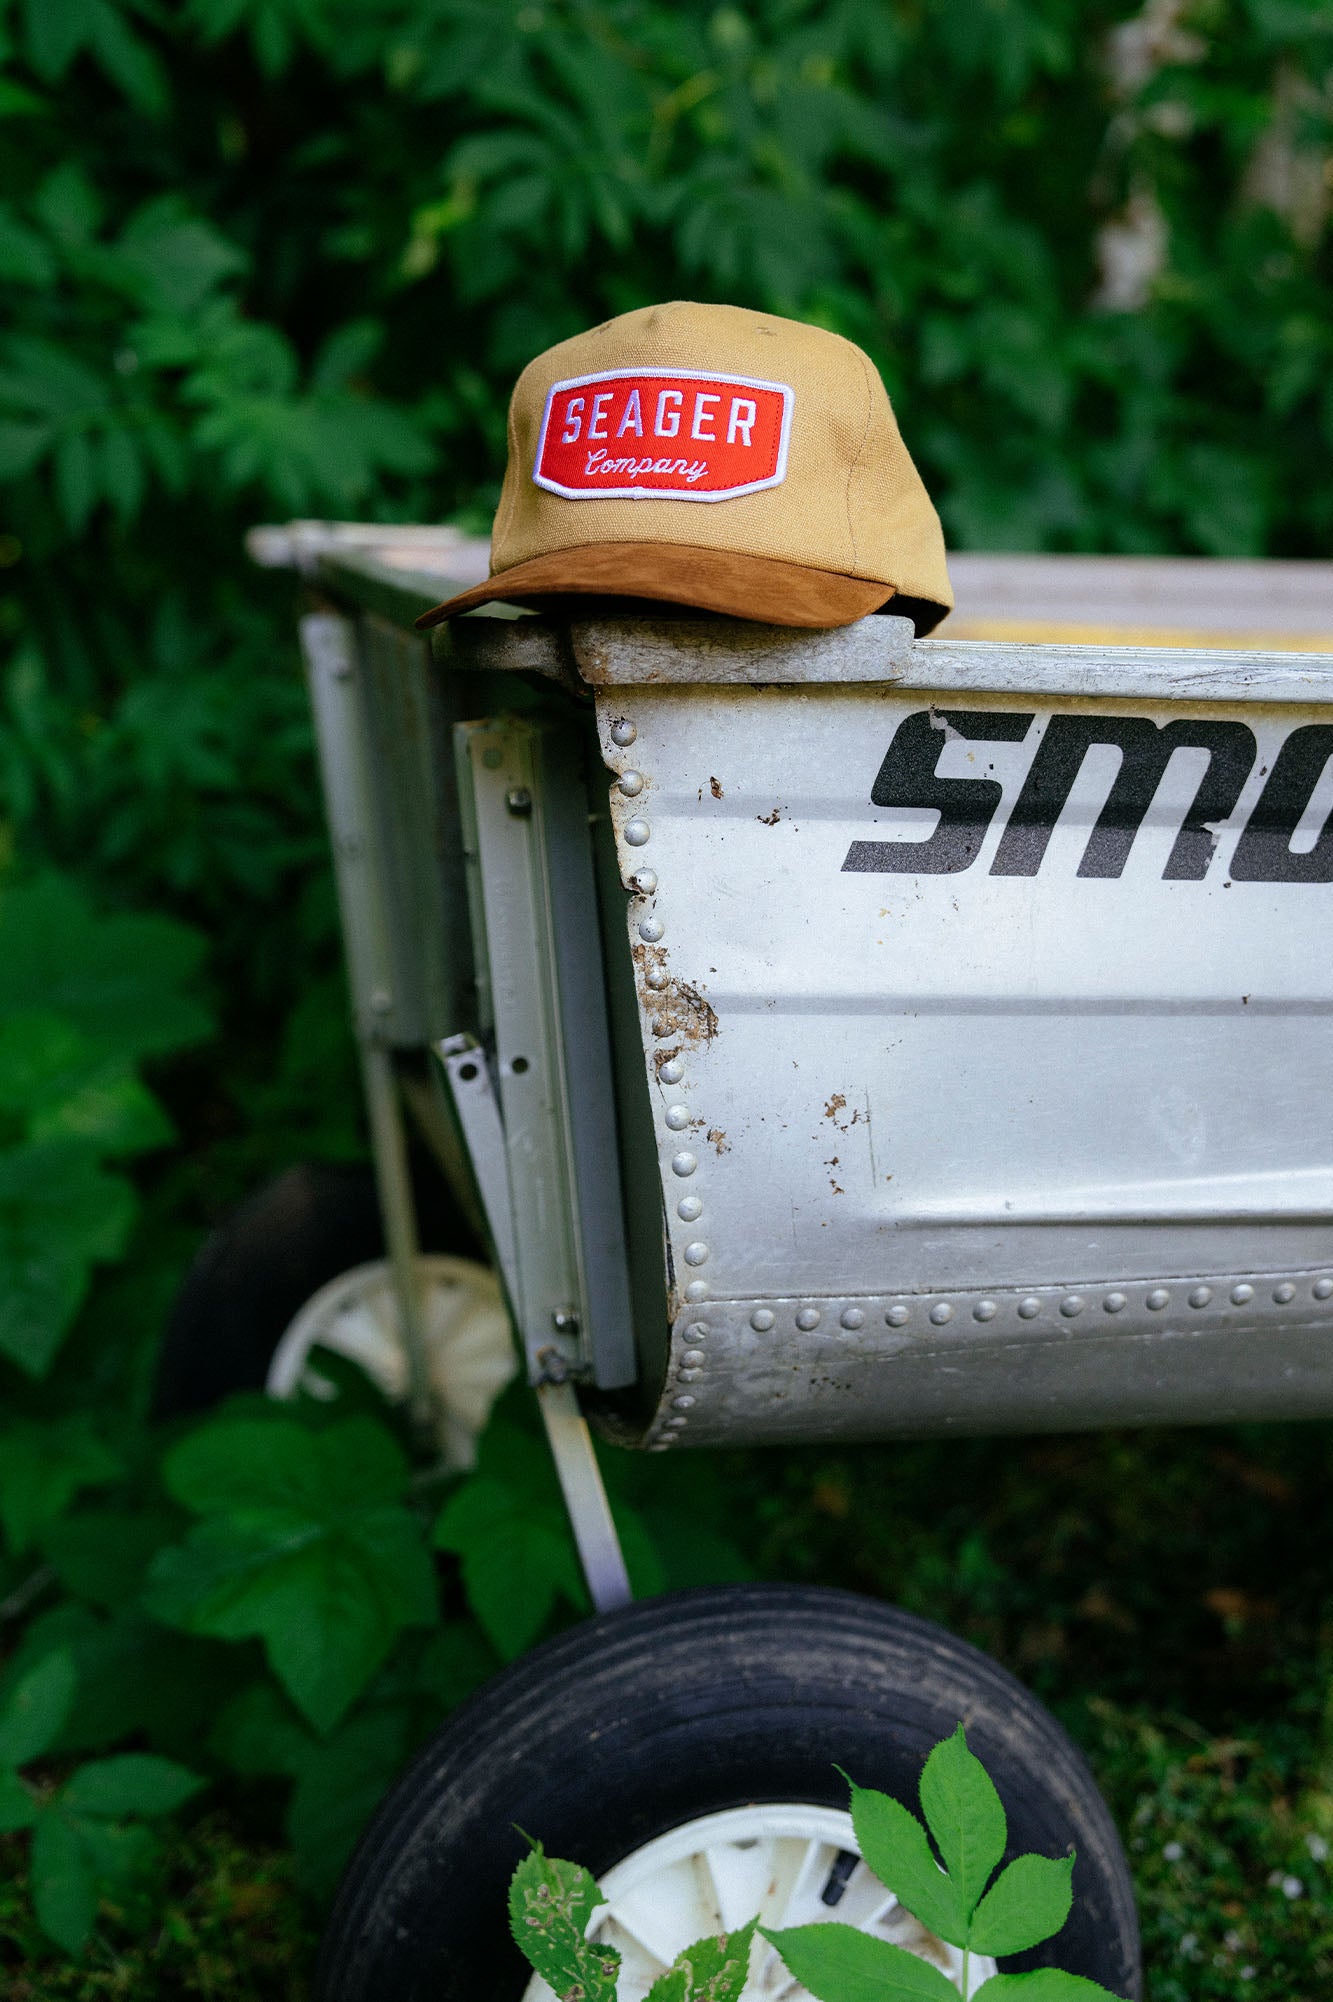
(713, 580)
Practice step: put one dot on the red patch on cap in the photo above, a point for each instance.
(676, 431)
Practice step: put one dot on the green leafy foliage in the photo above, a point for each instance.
(550, 1904)
(42, 1468)
(1026, 1903)
(83, 1000)
(838, 1964)
(712, 1970)
(304, 1542)
(89, 1832)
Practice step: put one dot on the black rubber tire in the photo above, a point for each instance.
(257, 1270)
(633, 1723)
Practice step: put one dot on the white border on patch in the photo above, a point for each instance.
(775, 479)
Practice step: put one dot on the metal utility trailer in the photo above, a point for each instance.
(845, 1036)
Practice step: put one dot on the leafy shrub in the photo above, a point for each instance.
(258, 1595)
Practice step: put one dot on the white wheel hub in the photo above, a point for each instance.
(793, 1865)
(470, 1350)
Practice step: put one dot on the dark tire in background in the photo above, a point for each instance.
(256, 1271)
(640, 1721)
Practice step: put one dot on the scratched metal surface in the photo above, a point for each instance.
(874, 1086)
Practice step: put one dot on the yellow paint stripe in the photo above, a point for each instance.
(1038, 630)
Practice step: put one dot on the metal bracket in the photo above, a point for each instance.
(580, 1479)
(525, 825)
(468, 1077)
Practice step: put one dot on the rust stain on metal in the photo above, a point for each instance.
(715, 787)
(718, 1140)
(834, 1106)
(769, 819)
(678, 1011)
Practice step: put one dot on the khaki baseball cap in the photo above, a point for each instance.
(713, 457)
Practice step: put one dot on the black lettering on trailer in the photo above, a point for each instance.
(1263, 853)
(1145, 752)
(907, 777)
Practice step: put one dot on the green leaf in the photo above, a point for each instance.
(64, 1891)
(42, 1467)
(21, 446)
(340, 1782)
(118, 978)
(894, 1845)
(550, 1904)
(964, 1815)
(25, 258)
(306, 1545)
(236, 1466)
(131, 1783)
(101, 1554)
(35, 1709)
(839, 1964)
(714, 1969)
(507, 1522)
(18, 1809)
(59, 1214)
(1043, 1984)
(1026, 1904)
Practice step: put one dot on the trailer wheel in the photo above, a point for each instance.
(684, 1750)
(300, 1267)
